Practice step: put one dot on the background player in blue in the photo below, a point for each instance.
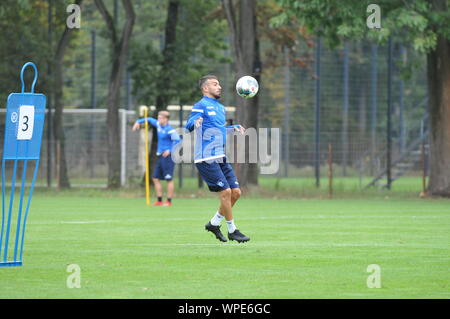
(167, 138)
(208, 120)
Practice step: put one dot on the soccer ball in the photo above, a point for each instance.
(247, 87)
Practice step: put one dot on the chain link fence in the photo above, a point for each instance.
(352, 118)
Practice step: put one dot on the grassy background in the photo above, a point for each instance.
(269, 187)
(299, 248)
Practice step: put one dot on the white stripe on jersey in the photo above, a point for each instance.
(208, 158)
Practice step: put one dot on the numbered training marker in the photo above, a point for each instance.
(24, 124)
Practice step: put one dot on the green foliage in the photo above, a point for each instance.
(25, 30)
(416, 22)
(145, 57)
(199, 45)
(23, 39)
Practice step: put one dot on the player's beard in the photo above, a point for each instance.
(216, 96)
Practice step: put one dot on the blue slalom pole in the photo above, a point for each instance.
(11, 200)
(35, 76)
(19, 217)
(28, 207)
(3, 205)
(24, 124)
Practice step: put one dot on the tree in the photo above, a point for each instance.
(58, 83)
(242, 25)
(27, 19)
(423, 23)
(21, 24)
(154, 72)
(167, 71)
(119, 50)
(190, 48)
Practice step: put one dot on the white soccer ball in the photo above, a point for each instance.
(247, 87)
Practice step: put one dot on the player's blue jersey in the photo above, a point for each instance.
(211, 137)
(167, 136)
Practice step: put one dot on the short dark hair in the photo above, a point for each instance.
(205, 78)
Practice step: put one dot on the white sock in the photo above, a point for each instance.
(217, 219)
(231, 226)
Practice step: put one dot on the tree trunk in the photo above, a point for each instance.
(119, 55)
(438, 65)
(169, 51)
(362, 108)
(61, 164)
(58, 130)
(112, 123)
(245, 48)
(165, 76)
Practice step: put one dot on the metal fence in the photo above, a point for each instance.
(86, 147)
(340, 98)
(337, 97)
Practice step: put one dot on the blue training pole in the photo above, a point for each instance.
(24, 123)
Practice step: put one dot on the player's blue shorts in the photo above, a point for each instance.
(164, 168)
(218, 176)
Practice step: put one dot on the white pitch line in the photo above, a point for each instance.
(87, 222)
(244, 218)
(283, 244)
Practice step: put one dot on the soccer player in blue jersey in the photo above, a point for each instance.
(167, 138)
(208, 120)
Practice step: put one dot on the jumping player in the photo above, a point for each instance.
(167, 138)
(208, 120)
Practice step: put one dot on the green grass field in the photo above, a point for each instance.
(307, 248)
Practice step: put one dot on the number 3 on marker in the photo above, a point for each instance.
(26, 121)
